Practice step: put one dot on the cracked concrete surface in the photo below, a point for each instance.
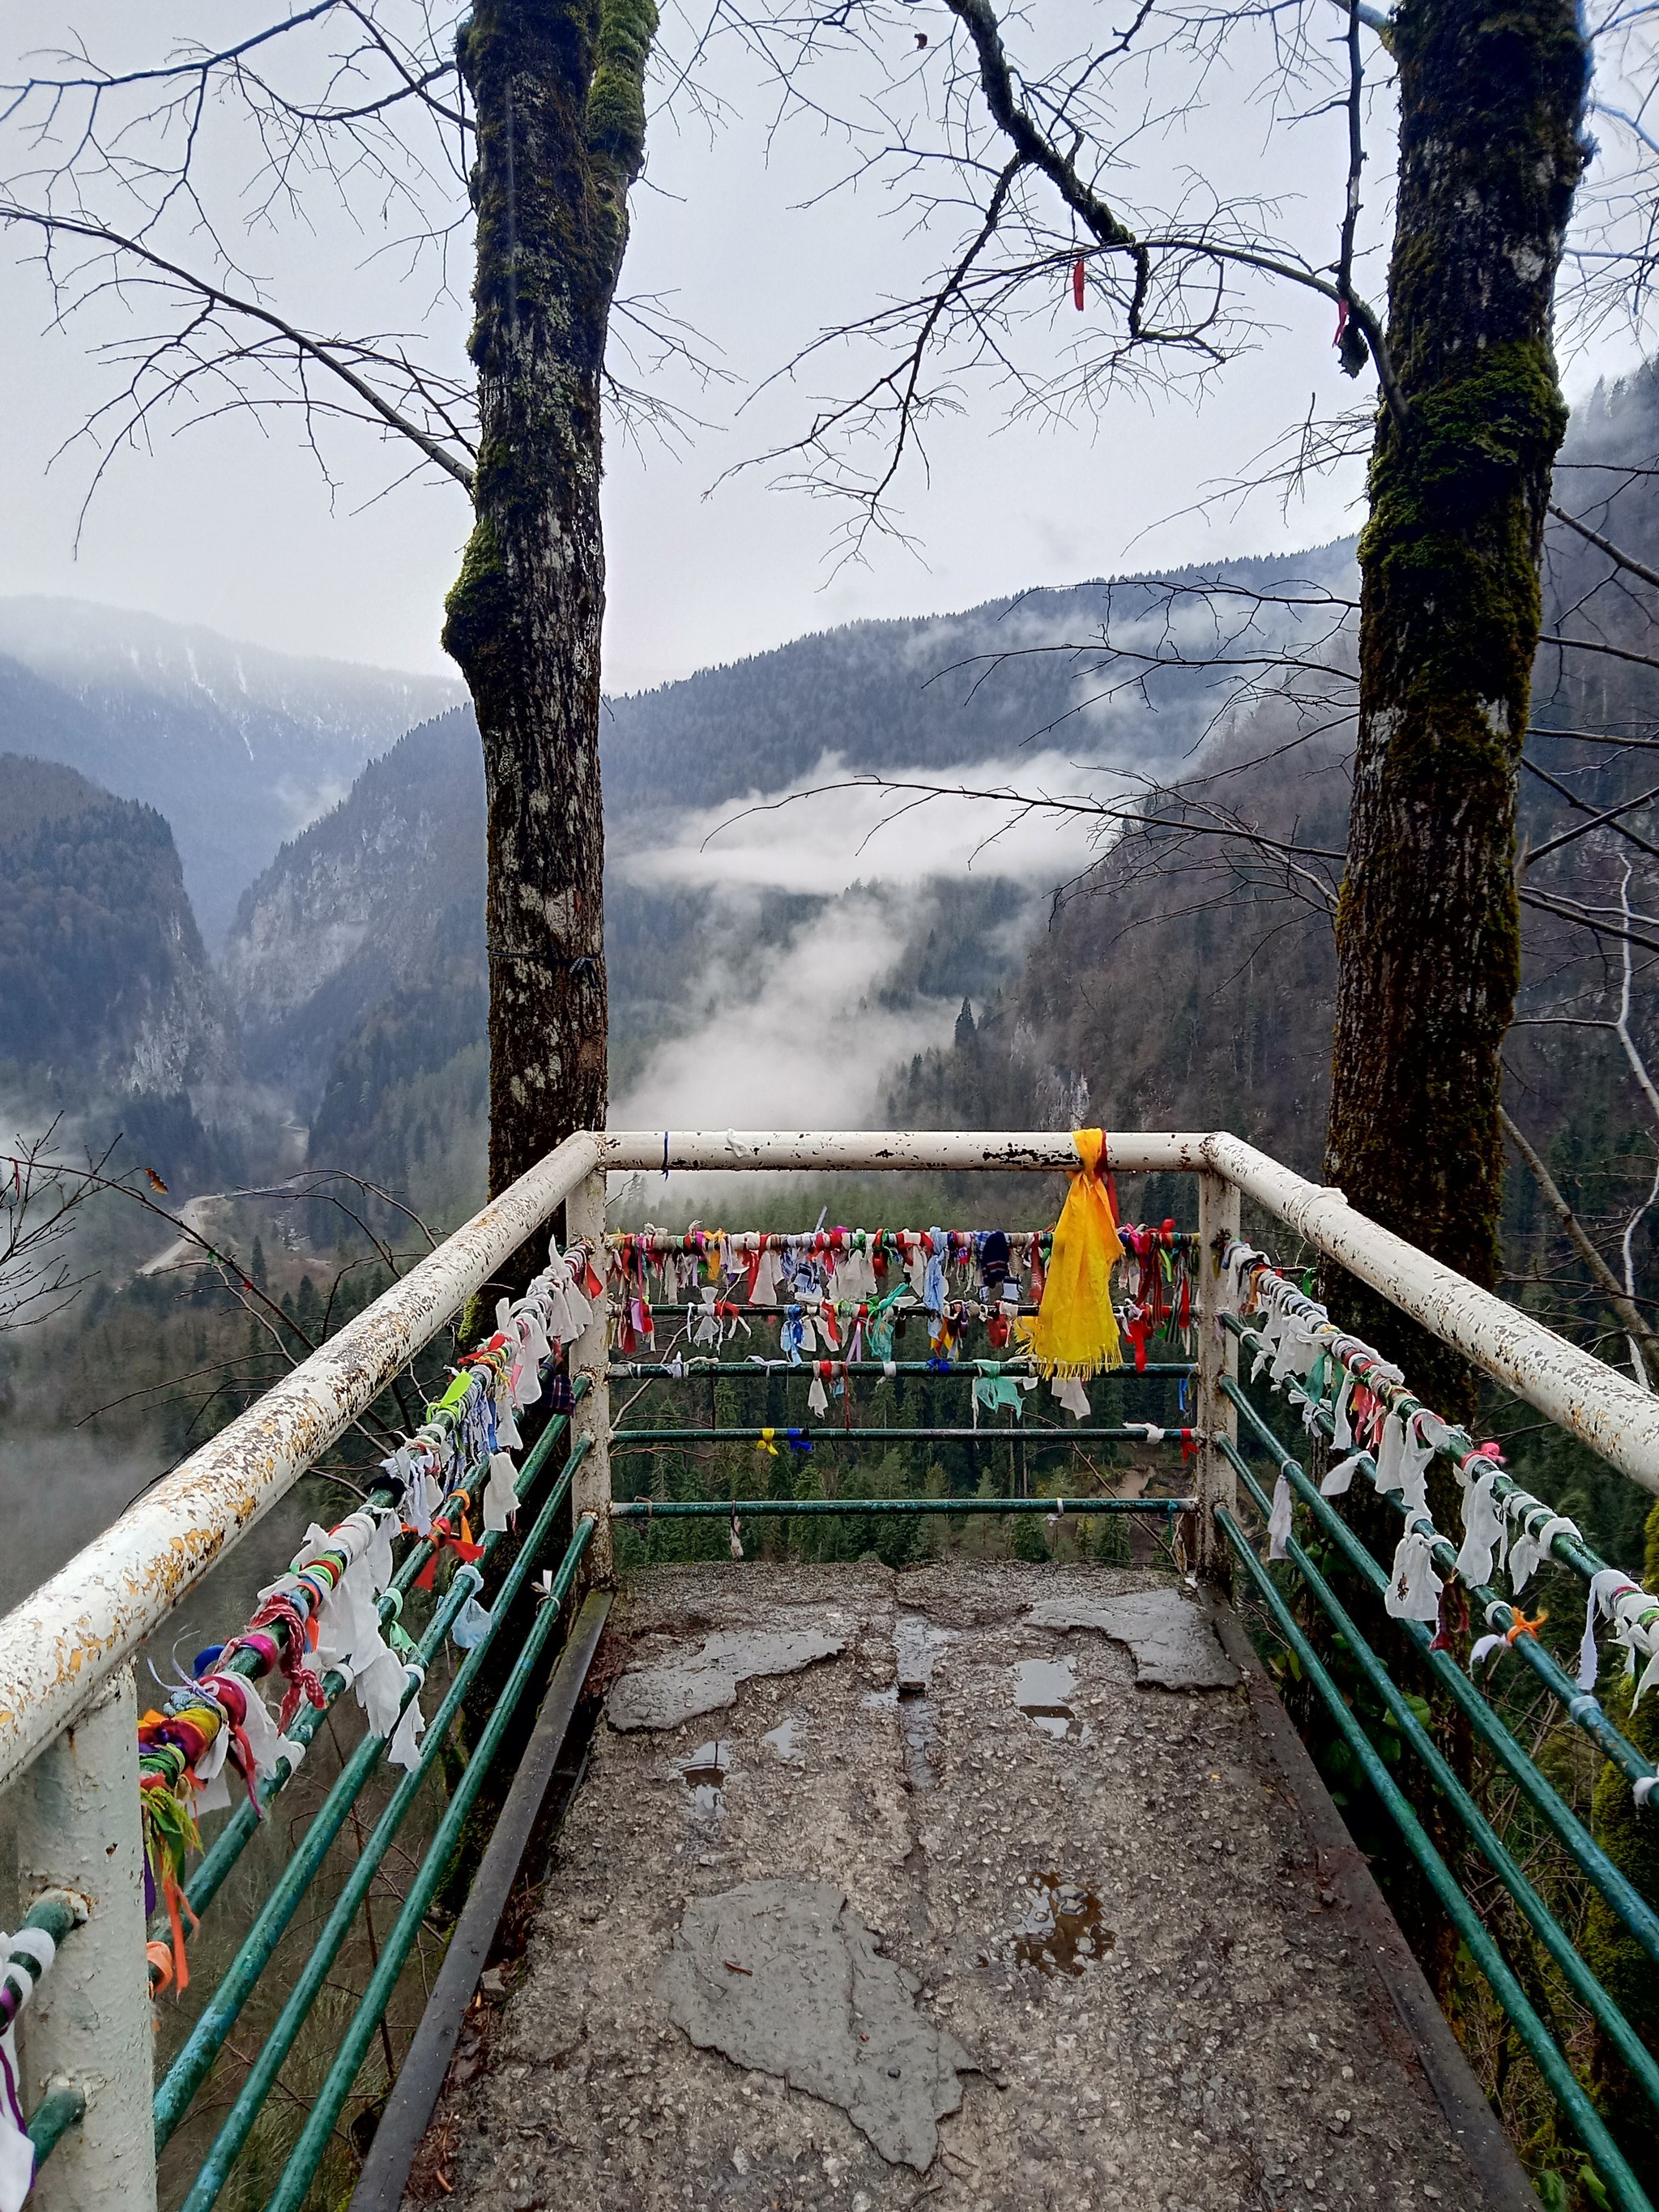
(779, 1975)
(1116, 1915)
(676, 1689)
(1173, 1645)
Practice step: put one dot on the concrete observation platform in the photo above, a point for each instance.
(890, 1889)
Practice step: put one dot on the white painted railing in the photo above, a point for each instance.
(68, 1706)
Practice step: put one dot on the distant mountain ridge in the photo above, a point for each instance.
(931, 691)
(238, 746)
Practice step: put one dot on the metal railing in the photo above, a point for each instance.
(69, 1716)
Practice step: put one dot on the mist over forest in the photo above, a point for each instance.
(241, 916)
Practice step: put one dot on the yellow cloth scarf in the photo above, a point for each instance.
(1075, 1331)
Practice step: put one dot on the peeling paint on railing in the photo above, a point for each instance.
(62, 1642)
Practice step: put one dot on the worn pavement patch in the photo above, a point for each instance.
(1173, 1645)
(706, 1681)
(780, 1976)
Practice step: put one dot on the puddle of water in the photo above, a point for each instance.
(704, 1775)
(1063, 1932)
(1042, 1691)
(784, 1741)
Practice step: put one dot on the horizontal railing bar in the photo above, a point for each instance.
(680, 1508)
(1045, 1438)
(424, 2065)
(1587, 2122)
(293, 2188)
(234, 2132)
(621, 1370)
(1582, 1708)
(62, 1642)
(61, 2109)
(1354, 1358)
(1608, 1411)
(753, 1312)
(1532, 1907)
(1633, 1908)
(236, 1985)
(832, 1244)
(940, 1151)
(55, 1915)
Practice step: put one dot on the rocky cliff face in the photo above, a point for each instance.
(104, 983)
(369, 900)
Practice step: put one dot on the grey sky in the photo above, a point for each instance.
(232, 526)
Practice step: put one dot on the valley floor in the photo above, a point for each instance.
(967, 1911)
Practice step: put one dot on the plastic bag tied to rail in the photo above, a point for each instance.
(1075, 1332)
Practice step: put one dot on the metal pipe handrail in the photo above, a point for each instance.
(1587, 2122)
(1532, 1907)
(801, 1438)
(1016, 1365)
(1633, 1908)
(1604, 1409)
(295, 2185)
(236, 1985)
(673, 1509)
(1582, 1707)
(66, 1681)
(309, 1983)
(62, 1643)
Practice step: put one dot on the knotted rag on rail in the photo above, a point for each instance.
(1075, 1330)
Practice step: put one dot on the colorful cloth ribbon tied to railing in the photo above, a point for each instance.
(1074, 1333)
(1391, 1436)
(334, 1612)
(18, 1986)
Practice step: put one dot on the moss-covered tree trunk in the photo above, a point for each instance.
(557, 90)
(1491, 106)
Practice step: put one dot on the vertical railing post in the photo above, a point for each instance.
(1214, 1415)
(88, 2023)
(590, 1490)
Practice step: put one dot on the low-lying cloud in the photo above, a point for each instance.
(828, 832)
(808, 1030)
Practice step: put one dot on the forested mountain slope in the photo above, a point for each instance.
(104, 984)
(935, 692)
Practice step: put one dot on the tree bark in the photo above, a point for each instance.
(1428, 926)
(557, 90)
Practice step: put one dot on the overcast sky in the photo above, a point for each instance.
(233, 526)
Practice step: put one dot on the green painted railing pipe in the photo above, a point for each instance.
(236, 1985)
(1587, 2122)
(648, 1508)
(774, 1370)
(1583, 1984)
(239, 2122)
(1015, 1432)
(238, 1982)
(61, 2108)
(291, 2190)
(1564, 1550)
(1582, 1708)
(238, 1830)
(1631, 1907)
(57, 2112)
